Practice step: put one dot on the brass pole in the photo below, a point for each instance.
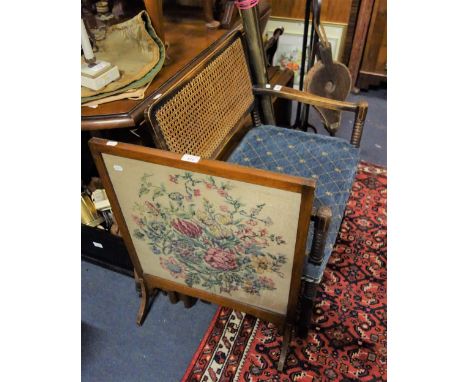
(257, 58)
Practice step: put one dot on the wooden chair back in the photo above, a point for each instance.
(209, 104)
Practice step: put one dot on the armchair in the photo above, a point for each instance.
(213, 113)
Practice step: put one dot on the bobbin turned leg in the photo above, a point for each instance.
(307, 306)
(322, 219)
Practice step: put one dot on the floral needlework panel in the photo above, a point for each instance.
(223, 236)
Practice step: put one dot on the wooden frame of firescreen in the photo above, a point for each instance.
(149, 283)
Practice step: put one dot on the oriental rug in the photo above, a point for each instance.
(347, 340)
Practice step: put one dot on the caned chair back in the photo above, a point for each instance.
(208, 106)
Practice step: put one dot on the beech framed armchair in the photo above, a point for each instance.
(213, 113)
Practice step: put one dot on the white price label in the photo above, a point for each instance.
(118, 168)
(277, 88)
(98, 245)
(111, 143)
(190, 158)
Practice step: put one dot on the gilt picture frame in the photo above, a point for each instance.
(227, 234)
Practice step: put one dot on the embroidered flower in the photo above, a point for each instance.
(204, 218)
(175, 269)
(196, 192)
(155, 249)
(224, 208)
(250, 287)
(184, 250)
(266, 282)
(176, 196)
(220, 232)
(261, 263)
(173, 179)
(156, 230)
(187, 228)
(223, 260)
(245, 233)
(223, 219)
(138, 221)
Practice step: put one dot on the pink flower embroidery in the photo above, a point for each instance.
(196, 192)
(224, 208)
(138, 221)
(244, 233)
(173, 179)
(252, 222)
(187, 228)
(222, 192)
(267, 282)
(220, 259)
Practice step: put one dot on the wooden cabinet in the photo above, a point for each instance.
(373, 69)
(368, 58)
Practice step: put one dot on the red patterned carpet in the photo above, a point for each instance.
(348, 337)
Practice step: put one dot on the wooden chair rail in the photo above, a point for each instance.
(358, 108)
(303, 97)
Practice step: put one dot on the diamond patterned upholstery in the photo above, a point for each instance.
(331, 161)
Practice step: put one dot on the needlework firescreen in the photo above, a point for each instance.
(224, 236)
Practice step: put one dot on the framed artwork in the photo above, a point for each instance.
(227, 234)
(289, 52)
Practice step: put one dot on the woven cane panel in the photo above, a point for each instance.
(203, 112)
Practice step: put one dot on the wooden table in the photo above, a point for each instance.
(187, 40)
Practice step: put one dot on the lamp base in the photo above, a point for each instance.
(96, 76)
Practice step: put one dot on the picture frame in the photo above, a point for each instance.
(289, 52)
(163, 203)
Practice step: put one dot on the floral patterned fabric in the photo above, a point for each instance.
(224, 248)
(331, 161)
(223, 236)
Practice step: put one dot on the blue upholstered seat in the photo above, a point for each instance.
(331, 161)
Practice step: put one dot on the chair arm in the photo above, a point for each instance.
(322, 219)
(359, 108)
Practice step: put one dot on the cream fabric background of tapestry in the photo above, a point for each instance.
(227, 237)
